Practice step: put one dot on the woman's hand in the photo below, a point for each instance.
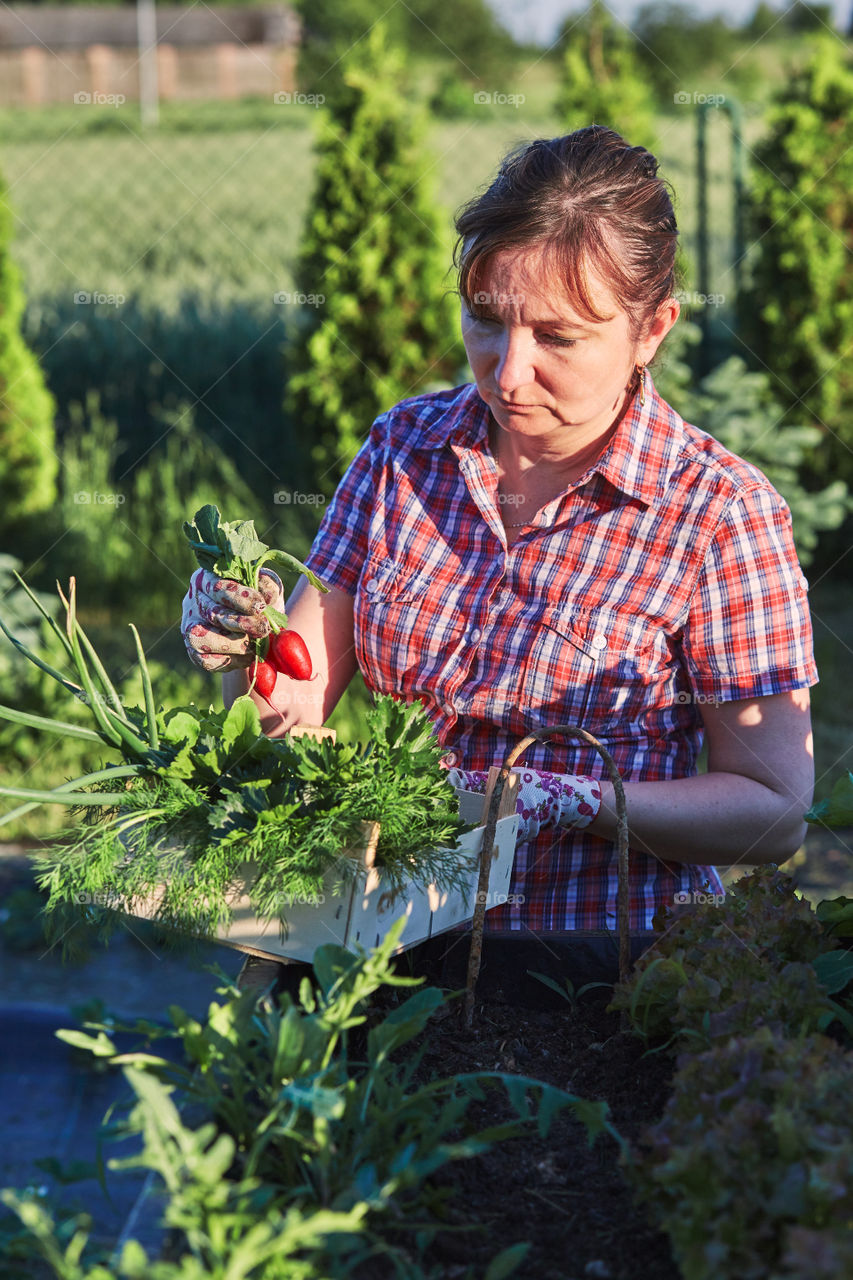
(542, 799)
(221, 619)
(325, 623)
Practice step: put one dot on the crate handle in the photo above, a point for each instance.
(622, 900)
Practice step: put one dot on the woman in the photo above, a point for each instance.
(553, 544)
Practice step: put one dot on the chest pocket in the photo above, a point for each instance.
(407, 627)
(390, 582)
(599, 669)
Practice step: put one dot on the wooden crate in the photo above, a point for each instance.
(363, 914)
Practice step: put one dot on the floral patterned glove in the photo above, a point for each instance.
(220, 618)
(543, 799)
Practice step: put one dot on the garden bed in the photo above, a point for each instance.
(569, 1201)
(367, 1120)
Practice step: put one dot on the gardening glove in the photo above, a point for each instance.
(542, 799)
(221, 618)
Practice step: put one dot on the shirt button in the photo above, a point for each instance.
(475, 635)
(599, 641)
(448, 709)
(371, 586)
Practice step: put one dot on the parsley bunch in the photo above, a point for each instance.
(203, 807)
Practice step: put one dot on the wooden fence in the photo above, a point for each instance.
(89, 54)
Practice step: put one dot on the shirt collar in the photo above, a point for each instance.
(638, 460)
(642, 455)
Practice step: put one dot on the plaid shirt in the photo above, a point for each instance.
(663, 578)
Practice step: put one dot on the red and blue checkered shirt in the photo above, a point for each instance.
(664, 577)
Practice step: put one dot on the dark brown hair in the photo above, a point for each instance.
(588, 198)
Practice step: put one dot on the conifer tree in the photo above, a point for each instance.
(603, 81)
(797, 313)
(387, 327)
(28, 462)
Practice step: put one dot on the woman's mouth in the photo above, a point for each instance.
(506, 404)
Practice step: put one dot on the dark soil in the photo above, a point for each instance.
(570, 1201)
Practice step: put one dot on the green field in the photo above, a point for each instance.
(219, 214)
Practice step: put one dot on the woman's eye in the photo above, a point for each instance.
(549, 338)
(560, 342)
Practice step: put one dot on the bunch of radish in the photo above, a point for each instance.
(234, 551)
(288, 655)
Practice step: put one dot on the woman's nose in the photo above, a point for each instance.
(514, 366)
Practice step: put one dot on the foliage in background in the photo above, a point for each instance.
(603, 82)
(753, 1158)
(334, 1137)
(223, 359)
(27, 457)
(683, 50)
(387, 328)
(737, 406)
(802, 16)
(467, 36)
(797, 313)
(117, 527)
(837, 809)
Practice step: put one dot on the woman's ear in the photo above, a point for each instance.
(663, 320)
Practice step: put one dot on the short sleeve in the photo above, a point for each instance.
(339, 549)
(748, 632)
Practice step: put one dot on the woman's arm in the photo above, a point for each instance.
(325, 623)
(748, 807)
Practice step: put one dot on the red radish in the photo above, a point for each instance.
(263, 674)
(288, 654)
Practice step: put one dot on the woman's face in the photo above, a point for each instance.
(539, 364)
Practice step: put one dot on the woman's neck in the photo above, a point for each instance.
(559, 456)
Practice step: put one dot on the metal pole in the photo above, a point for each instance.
(146, 36)
(702, 229)
(736, 120)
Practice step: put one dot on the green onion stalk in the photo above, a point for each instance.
(139, 746)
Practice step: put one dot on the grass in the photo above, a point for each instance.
(213, 200)
(216, 215)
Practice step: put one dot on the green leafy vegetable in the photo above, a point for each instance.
(235, 551)
(718, 969)
(837, 811)
(208, 806)
(754, 1140)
